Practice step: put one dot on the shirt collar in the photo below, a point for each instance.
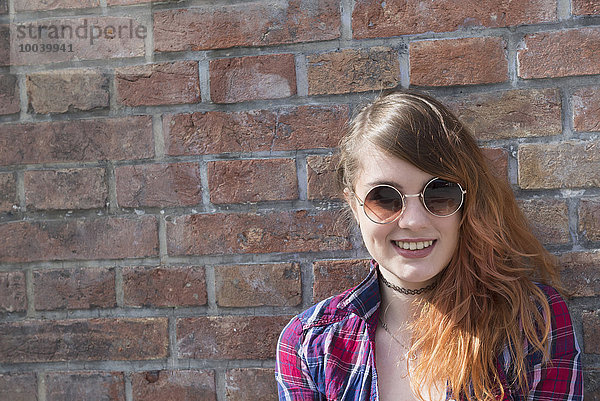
(364, 299)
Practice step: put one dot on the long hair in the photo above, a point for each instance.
(486, 298)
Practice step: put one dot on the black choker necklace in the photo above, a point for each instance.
(406, 291)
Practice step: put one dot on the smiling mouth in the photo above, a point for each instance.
(412, 246)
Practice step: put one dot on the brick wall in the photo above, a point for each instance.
(165, 182)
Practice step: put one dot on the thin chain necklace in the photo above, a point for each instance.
(406, 349)
(406, 291)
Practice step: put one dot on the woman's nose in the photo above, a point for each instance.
(414, 214)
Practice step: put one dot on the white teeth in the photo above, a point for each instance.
(413, 245)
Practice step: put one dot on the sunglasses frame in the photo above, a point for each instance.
(403, 197)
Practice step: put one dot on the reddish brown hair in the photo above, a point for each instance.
(486, 297)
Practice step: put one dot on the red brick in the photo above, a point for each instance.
(591, 332)
(585, 7)
(156, 84)
(376, 18)
(229, 337)
(89, 386)
(9, 94)
(322, 178)
(8, 191)
(295, 231)
(353, 71)
(250, 385)
(586, 109)
(548, 219)
(258, 285)
(335, 276)
(13, 293)
(126, 39)
(509, 114)
(579, 272)
(498, 160)
(78, 140)
(240, 79)
(82, 288)
(560, 54)
(188, 385)
(126, 2)
(589, 219)
(158, 185)
(84, 340)
(67, 90)
(101, 238)
(66, 189)
(466, 61)
(236, 181)
(36, 5)
(19, 386)
(303, 127)
(164, 286)
(248, 24)
(569, 164)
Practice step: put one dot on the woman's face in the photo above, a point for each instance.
(385, 242)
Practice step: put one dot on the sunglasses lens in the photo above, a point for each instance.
(442, 197)
(383, 204)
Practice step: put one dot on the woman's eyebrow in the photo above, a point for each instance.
(384, 182)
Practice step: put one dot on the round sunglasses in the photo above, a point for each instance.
(384, 204)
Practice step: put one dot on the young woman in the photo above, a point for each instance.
(460, 302)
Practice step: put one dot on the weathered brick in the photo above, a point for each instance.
(3, 7)
(188, 385)
(466, 61)
(36, 5)
(509, 114)
(248, 24)
(335, 276)
(88, 38)
(250, 384)
(579, 273)
(5, 45)
(258, 285)
(127, 2)
(560, 54)
(585, 7)
(353, 71)
(570, 164)
(67, 90)
(89, 386)
(586, 109)
(13, 293)
(156, 84)
(19, 386)
(591, 332)
(158, 185)
(164, 286)
(548, 219)
(376, 18)
(321, 180)
(294, 128)
(9, 94)
(66, 189)
(241, 79)
(296, 231)
(84, 340)
(82, 288)
(229, 337)
(236, 181)
(8, 191)
(591, 386)
(77, 140)
(589, 219)
(101, 238)
(498, 161)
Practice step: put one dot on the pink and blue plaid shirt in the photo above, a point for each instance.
(327, 352)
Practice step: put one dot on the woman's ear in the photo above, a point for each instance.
(353, 203)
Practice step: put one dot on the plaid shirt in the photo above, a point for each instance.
(327, 352)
